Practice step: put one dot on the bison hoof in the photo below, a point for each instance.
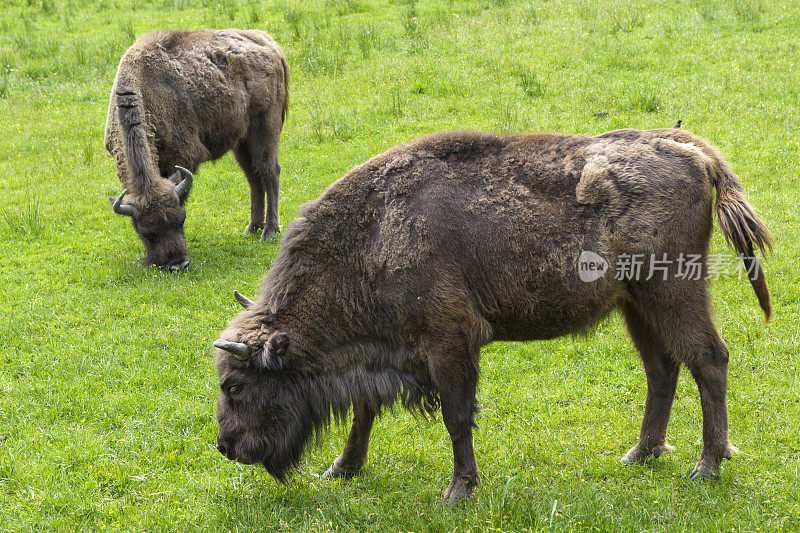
(252, 228)
(704, 470)
(179, 267)
(270, 233)
(708, 468)
(336, 472)
(461, 488)
(637, 456)
(700, 475)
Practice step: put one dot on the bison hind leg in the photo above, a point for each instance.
(257, 191)
(678, 314)
(260, 155)
(662, 377)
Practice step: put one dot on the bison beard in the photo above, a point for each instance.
(386, 287)
(308, 406)
(288, 448)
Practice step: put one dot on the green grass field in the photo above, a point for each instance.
(107, 385)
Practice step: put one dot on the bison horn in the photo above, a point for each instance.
(246, 302)
(239, 349)
(182, 189)
(116, 205)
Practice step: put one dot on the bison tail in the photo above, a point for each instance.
(742, 227)
(138, 155)
(285, 110)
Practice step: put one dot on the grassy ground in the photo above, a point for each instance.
(107, 388)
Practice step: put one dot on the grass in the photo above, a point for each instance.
(26, 220)
(531, 84)
(5, 83)
(107, 387)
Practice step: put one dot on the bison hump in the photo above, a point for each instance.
(401, 243)
(596, 184)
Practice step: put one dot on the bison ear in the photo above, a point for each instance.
(274, 355)
(176, 177)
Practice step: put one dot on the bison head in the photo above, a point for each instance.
(159, 221)
(262, 411)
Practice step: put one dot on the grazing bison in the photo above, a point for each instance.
(388, 285)
(183, 98)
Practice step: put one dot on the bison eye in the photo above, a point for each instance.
(232, 390)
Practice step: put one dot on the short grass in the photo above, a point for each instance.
(107, 388)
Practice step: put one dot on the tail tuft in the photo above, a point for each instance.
(285, 110)
(742, 227)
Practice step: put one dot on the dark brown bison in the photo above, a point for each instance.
(388, 285)
(183, 98)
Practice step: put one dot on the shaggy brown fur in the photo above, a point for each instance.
(183, 98)
(388, 285)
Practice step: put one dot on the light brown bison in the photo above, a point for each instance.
(388, 285)
(183, 98)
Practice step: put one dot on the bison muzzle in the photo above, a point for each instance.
(387, 286)
(180, 99)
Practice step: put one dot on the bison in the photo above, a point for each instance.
(183, 98)
(387, 286)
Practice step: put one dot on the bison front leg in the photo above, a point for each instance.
(458, 418)
(455, 374)
(354, 454)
